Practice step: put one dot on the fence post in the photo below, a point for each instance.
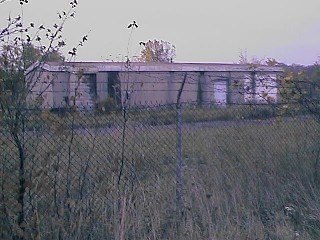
(179, 162)
(179, 159)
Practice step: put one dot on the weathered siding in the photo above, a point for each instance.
(102, 86)
(217, 88)
(252, 87)
(40, 85)
(266, 88)
(156, 88)
(190, 88)
(240, 87)
(61, 88)
(156, 83)
(86, 92)
(220, 92)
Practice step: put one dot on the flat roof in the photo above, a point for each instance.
(156, 67)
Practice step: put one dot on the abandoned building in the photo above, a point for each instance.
(86, 84)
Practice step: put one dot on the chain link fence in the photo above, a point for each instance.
(165, 172)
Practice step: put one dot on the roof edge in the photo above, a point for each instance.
(154, 67)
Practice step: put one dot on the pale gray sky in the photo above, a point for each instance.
(202, 31)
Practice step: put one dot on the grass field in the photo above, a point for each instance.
(243, 179)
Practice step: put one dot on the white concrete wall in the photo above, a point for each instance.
(213, 84)
(60, 87)
(40, 85)
(84, 99)
(220, 92)
(266, 88)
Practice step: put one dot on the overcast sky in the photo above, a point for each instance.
(202, 31)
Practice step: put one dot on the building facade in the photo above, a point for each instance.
(88, 84)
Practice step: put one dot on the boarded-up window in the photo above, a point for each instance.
(220, 92)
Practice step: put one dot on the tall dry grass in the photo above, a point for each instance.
(243, 179)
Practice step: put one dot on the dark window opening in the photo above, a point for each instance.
(114, 87)
(91, 81)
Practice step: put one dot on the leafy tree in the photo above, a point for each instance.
(300, 88)
(157, 51)
(32, 54)
(21, 45)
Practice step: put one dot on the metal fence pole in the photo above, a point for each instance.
(179, 159)
(179, 163)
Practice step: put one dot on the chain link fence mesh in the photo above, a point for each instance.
(235, 172)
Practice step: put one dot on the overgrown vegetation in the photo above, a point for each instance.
(301, 85)
(108, 114)
(22, 45)
(243, 179)
(251, 172)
